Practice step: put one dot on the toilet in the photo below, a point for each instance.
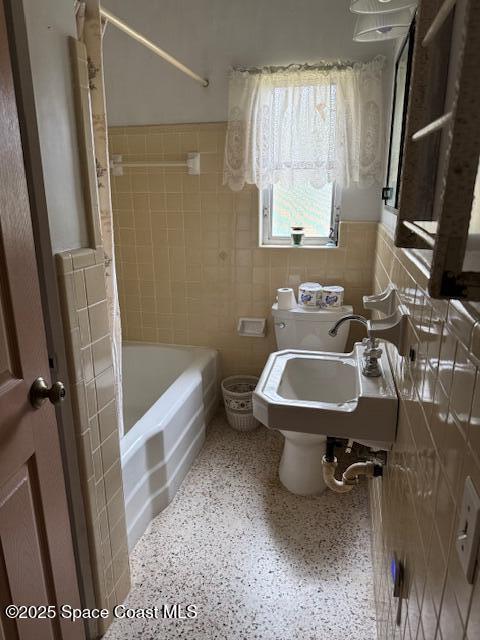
(301, 328)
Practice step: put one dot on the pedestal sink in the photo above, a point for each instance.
(327, 394)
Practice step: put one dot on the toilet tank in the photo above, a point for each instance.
(301, 328)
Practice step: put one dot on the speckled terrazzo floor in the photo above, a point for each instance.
(257, 561)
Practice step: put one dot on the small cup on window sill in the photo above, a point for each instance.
(297, 234)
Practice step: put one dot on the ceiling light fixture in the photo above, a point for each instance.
(380, 6)
(382, 26)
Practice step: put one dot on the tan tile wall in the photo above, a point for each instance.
(415, 505)
(82, 286)
(188, 261)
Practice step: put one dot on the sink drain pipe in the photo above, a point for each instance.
(351, 474)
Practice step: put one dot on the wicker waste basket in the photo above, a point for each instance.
(237, 395)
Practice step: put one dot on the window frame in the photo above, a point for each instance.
(265, 220)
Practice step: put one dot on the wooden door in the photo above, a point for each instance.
(37, 565)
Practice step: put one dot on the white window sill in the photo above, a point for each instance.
(303, 246)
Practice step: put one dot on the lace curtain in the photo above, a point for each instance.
(305, 124)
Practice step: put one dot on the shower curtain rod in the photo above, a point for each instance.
(109, 17)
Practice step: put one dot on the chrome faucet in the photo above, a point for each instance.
(350, 317)
(372, 353)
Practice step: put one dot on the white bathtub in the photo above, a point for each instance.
(169, 395)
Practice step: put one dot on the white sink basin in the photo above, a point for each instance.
(304, 379)
(326, 394)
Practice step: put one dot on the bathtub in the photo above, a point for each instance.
(169, 395)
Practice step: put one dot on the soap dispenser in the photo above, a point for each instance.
(383, 302)
(393, 327)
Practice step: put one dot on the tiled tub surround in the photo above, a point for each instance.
(415, 506)
(84, 307)
(188, 262)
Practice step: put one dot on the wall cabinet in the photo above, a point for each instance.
(437, 209)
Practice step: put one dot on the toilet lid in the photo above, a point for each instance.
(317, 315)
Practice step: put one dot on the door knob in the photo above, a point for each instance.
(39, 392)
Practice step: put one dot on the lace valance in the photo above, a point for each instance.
(305, 124)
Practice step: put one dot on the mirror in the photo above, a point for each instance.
(397, 129)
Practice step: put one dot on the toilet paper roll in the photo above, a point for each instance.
(332, 296)
(286, 298)
(310, 295)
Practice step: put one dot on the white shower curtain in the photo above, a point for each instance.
(89, 22)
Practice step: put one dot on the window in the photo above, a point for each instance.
(303, 205)
(303, 155)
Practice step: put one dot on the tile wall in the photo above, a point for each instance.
(189, 265)
(81, 275)
(415, 505)
(188, 262)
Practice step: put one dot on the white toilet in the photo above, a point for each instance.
(299, 328)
